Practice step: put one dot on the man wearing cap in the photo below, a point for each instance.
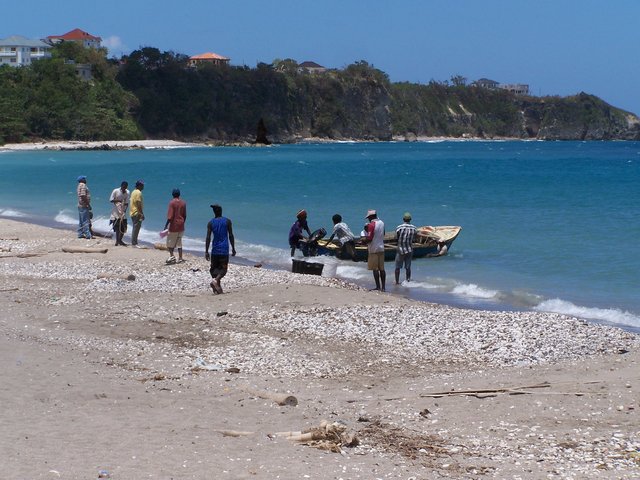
(84, 208)
(405, 235)
(221, 230)
(136, 211)
(176, 218)
(296, 237)
(375, 245)
(120, 199)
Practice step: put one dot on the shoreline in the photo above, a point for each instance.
(170, 144)
(143, 377)
(97, 145)
(166, 144)
(407, 293)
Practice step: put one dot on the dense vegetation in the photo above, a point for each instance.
(156, 94)
(227, 103)
(439, 109)
(49, 101)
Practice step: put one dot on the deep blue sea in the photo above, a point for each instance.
(550, 226)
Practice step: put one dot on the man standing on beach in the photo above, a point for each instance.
(176, 218)
(222, 231)
(405, 235)
(84, 208)
(375, 246)
(136, 211)
(120, 199)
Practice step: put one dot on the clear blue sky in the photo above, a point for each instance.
(558, 47)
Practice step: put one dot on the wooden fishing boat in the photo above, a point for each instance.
(429, 242)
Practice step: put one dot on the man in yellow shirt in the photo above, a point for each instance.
(136, 211)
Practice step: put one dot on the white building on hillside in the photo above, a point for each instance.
(517, 88)
(20, 51)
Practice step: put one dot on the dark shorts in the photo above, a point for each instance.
(120, 225)
(348, 251)
(219, 265)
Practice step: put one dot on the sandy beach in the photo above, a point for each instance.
(96, 145)
(165, 144)
(157, 377)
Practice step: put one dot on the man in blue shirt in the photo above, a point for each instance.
(221, 229)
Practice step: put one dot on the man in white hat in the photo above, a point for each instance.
(375, 246)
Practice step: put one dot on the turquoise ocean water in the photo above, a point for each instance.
(551, 226)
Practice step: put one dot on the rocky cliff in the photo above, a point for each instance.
(439, 110)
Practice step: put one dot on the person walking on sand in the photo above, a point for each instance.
(375, 246)
(84, 208)
(296, 237)
(120, 200)
(405, 235)
(136, 211)
(221, 229)
(176, 218)
(345, 237)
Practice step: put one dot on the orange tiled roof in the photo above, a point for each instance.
(76, 34)
(208, 56)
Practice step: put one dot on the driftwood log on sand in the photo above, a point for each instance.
(84, 250)
(24, 255)
(234, 433)
(160, 246)
(280, 398)
(487, 392)
(331, 436)
(116, 276)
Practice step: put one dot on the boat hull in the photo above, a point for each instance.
(429, 244)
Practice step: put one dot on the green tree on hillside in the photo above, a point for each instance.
(47, 100)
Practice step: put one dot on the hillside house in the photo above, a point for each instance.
(208, 58)
(486, 83)
(79, 36)
(84, 71)
(517, 88)
(311, 67)
(19, 51)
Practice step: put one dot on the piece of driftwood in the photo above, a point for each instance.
(14, 239)
(280, 398)
(23, 255)
(234, 433)
(301, 436)
(9, 289)
(486, 392)
(116, 276)
(84, 250)
(331, 436)
(160, 246)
